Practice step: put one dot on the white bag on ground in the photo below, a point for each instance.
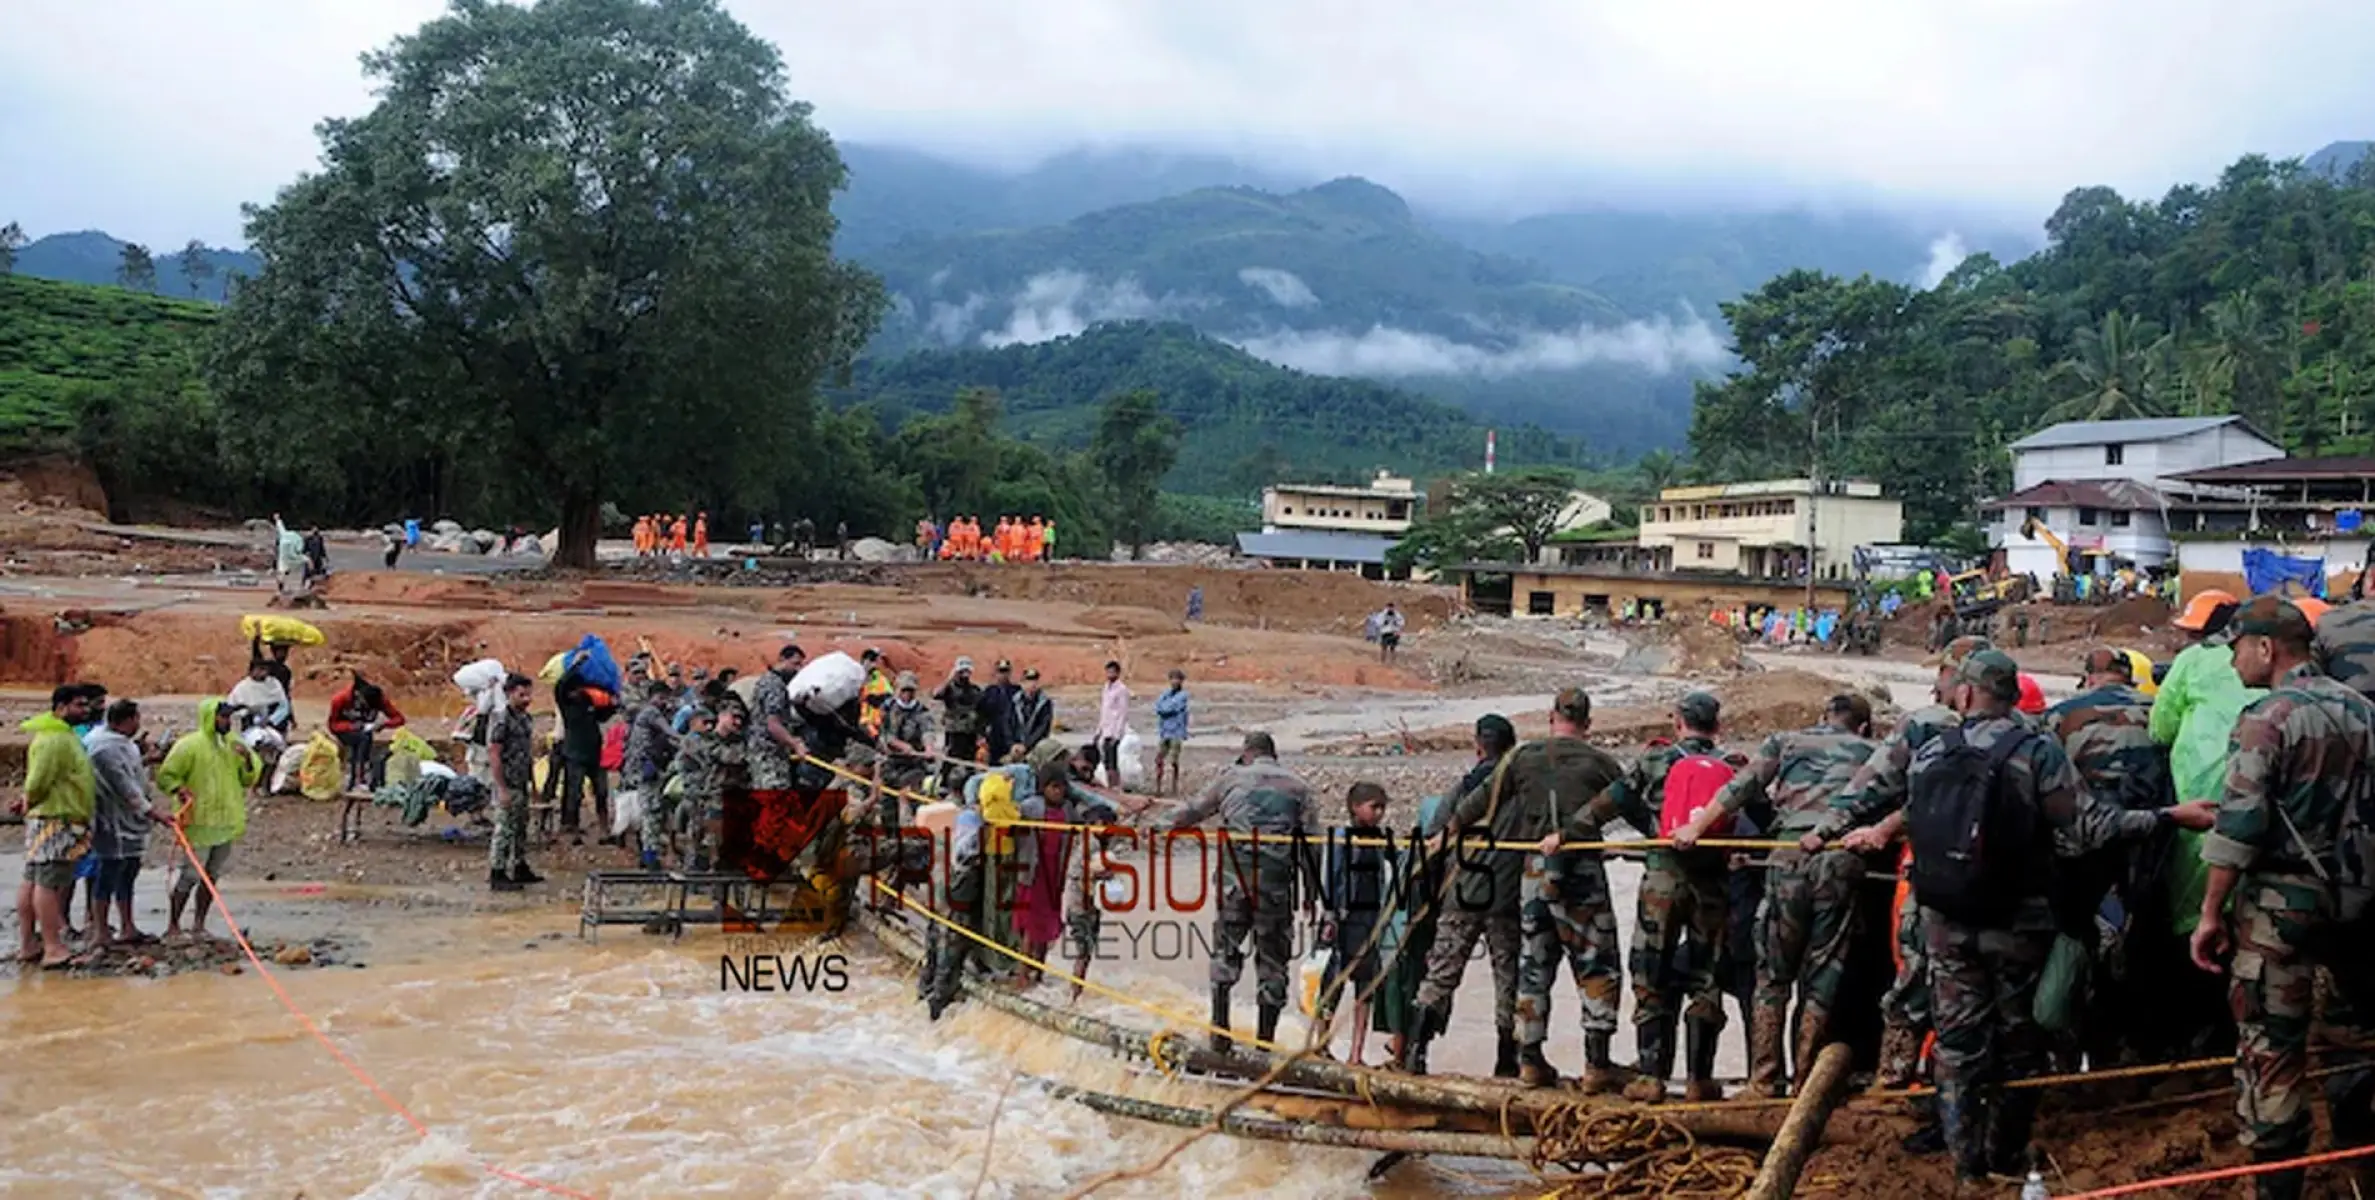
(284, 773)
(828, 682)
(1131, 757)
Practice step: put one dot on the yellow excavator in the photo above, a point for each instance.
(2036, 530)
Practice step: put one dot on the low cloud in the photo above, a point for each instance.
(1946, 253)
(1283, 287)
(1661, 346)
(1062, 303)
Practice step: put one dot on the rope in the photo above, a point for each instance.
(2241, 1172)
(1645, 1155)
(197, 864)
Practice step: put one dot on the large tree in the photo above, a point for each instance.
(580, 249)
(12, 237)
(1134, 447)
(196, 268)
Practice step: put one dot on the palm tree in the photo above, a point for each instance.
(2237, 365)
(1659, 469)
(2120, 369)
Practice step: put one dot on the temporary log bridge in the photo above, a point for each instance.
(1406, 1114)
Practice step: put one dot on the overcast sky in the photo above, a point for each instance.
(155, 119)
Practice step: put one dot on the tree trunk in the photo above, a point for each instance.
(1277, 1129)
(1752, 1127)
(581, 527)
(1802, 1133)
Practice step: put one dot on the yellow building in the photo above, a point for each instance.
(1762, 530)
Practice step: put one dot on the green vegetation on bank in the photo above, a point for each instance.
(2253, 296)
(61, 342)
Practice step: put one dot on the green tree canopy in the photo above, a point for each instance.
(578, 248)
(1134, 448)
(138, 270)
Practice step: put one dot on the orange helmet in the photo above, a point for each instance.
(2196, 616)
(2311, 607)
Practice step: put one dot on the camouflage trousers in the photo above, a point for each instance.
(1264, 913)
(1456, 934)
(1566, 913)
(2282, 940)
(946, 951)
(1803, 931)
(1906, 1006)
(507, 846)
(1984, 983)
(1681, 891)
(658, 816)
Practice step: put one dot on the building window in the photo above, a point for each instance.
(1707, 549)
(2119, 520)
(1540, 604)
(2088, 516)
(2035, 514)
(2114, 454)
(1290, 510)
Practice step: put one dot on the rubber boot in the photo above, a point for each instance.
(1928, 1137)
(1266, 1022)
(1962, 1118)
(1764, 1054)
(520, 874)
(1655, 1063)
(1600, 1074)
(1533, 1070)
(500, 882)
(2277, 1185)
(1220, 1019)
(2014, 1115)
(1425, 1024)
(1504, 1055)
(1900, 1058)
(1702, 1037)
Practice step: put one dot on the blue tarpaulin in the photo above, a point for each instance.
(2267, 571)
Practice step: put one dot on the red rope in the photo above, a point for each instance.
(2248, 1169)
(353, 1068)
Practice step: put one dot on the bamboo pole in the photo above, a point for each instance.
(1802, 1132)
(1749, 1127)
(1308, 1133)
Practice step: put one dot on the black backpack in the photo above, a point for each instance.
(1972, 839)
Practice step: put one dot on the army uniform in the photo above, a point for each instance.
(2345, 645)
(1806, 923)
(1084, 914)
(512, 734)
(1480, 905)
(1565, 910)
(650, 742)
(701, 765)
(1266, 814)
(1679, 889)
(1984, 977)
(770, 761)
(2299, 767)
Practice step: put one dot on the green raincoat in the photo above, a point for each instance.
(2194, 715)
(59, 784)
(217, 770)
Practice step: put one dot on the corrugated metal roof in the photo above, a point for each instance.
(1314, 543)
(2285, 469)
(2151, 429)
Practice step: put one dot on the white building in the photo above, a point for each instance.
(2104, 488)
(1763, 529)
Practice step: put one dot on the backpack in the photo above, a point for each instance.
(1691, 784)
(1971, 841)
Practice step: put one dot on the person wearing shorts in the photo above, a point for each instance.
(125, 811)
(1357, 893)
(58, 799)
(208, 772)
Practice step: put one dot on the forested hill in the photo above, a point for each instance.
(1247, 423)
(194, 271)
(58, 341)
(2253, 295)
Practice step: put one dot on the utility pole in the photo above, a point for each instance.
(1813, 494)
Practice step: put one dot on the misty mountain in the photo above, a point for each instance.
(2336, 159)
(897, 193)
(93, 257)
(1245, 422)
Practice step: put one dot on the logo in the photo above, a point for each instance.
(766, 965)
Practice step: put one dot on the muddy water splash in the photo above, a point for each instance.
(618, 1070)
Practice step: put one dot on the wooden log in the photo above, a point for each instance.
(1267, 1128)
(1749, 1127)
(1353, 1113)
(1825, 1086)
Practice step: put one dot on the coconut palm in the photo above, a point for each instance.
(2119, 369)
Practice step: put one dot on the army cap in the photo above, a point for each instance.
(1993, 672)
(906, 681)
(2274, 617)
(1951, 658)
(1699, 710)
(1573, 703)
(2105, 660)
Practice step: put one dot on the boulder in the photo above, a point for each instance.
(443, 528)
(487, 540)
(873, 550)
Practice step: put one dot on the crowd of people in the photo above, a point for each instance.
(1012, 539)
(659, 535)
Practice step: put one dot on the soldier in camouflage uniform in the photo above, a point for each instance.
(643, 766)
(1877, 791)
(511, 741)
(1678, 888)
(711, 753)
(1267, 817)
(1069, 800)
(1532, 796)
(1984, 975)
(773, 740)
(2291, 847)
(1807, 920)
(1481, 904)
(2346, 644)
